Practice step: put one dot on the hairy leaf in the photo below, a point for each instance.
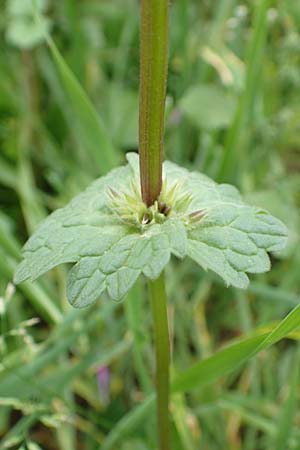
(111, 237)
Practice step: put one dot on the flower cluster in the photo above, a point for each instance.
(129, 206)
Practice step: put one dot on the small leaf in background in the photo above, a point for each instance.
(209, 106)
(121, 115)
(23, 30)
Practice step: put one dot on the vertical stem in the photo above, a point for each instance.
(161, 338)
(153, 79)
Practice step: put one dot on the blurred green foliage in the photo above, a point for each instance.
(69, 113)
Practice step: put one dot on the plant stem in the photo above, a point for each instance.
(153, 79)
(162, 343)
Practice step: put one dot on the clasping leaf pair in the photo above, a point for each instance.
(104, 233)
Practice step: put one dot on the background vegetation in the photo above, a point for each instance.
(67, 377)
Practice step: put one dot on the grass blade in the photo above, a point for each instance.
(38, 297)
(228, 359)
(233, 151)
(206, 372)
(285, 422)
(91, 131)
(129, 422)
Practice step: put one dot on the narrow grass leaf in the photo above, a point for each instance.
(91, 131)
(18, 432)
(129, 422)
(234, 151)
(228, 359)
(207, 371)
(285, 423)
(35, 293)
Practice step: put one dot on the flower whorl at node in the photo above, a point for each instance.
(131, 209)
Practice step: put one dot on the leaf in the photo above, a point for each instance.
(231, 357)
(231, 238)
(23, 30)
(112, 238)
(209, 106)
(122, 117)
(26, 7)
(129, 422)
(286, 417)
(26, 34)
(89, 128)
(73, 231)
(206, 372)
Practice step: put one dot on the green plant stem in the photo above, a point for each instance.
(153, 79)
(162, 344)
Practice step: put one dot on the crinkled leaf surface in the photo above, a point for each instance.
(227, 236)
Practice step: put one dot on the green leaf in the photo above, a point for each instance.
(232, 240)
(23, 30)
(231, 357)
(129, 422)
(74, 231)
(26, 34)
(286, 417)
(206, 372)
(89, 127)
(122, 116)
(112, 237)
(26, 7)
(209, 106)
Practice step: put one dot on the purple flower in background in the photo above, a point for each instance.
(103, 381)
